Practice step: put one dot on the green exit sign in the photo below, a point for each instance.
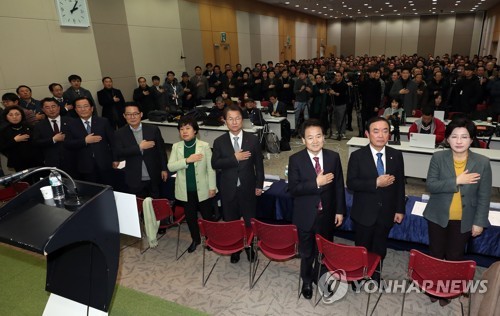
(223, 37)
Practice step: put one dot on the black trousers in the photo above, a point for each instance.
(191, 209)
(145, 189)
(447, 243)
(243, 204)
(373, 238)
(308, 249)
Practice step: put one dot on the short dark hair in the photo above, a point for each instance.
(107, 77)
(83, 98)
(188, 120)
(376, 119)
(53, 85)
(45, 100)
(310, 123)
(427, 110)
(10, 96)
(127, 104)
(141, 78)
(74, 77)
(197, 67)
(170, 72)
(234, 108)
(22, 86)
(155, 78)
(461, 121)
(15, 107)
(208, 64)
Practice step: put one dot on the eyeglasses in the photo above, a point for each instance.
(234, 119)
(86, 106)
(132, 114)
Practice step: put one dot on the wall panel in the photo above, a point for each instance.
(444, 35)
(378, 34)
(427, 35)
(362, 40)
(394, 34)
(410, 35)
(463, 33)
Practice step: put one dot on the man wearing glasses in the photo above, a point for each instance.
(237, 156)
(143, 149)
(91, 139)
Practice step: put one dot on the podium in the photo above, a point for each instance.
(82, 246)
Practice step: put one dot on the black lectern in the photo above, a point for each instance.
(82, 246)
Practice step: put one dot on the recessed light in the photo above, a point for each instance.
(324, 7)
(369, 7)
(331, 9)
(390, 5)
(452, 11)
(305, 8)
(313, 10)
(366, 4)
(349, 8)
(395, 10)
(412, 4)
(288, 2)
(319, 12)
(296, 5)
(414, 9)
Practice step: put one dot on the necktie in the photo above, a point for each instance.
(317, 167)
(56, 127)
(87, 127)
(380, 164)
(236, 147)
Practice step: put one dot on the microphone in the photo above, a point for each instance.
(15, 176)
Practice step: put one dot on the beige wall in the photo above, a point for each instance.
(37, 51)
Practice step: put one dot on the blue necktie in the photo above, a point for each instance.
(380, 164)
(88, 127)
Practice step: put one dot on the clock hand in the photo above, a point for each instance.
(74, 7)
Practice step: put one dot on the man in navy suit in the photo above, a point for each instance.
(375, 174)
(92, 140)
(316, 181)
(237, 156)
(49, 135)
(143, 149)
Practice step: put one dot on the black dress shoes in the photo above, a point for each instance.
(307, 291)
(192, 247)
(235, 257)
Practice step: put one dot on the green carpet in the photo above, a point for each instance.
(22, 290)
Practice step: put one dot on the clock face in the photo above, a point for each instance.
(73, 13)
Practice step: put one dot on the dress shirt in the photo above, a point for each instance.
(375, 157)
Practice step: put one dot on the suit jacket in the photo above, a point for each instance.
(250, 171)
(281, 108)
(369, 202)
(112, 110)
(302, 185)
(54, 154)
(205, 175)
(71, 95)
(441, 183)
(126, 148)
(100, 152)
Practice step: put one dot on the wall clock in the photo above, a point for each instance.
(73, 13)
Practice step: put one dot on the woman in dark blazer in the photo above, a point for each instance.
(459, 182)
(16, 141)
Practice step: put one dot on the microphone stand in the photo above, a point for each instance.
(72, 202)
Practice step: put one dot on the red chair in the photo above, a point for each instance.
(418, 113)
(265, 104)
(163, 211)
(357, 262)
(276, 242)
(481, 107)
(224, 238)
(381, 112)
(483, 144)
(10, 192)
(429, 274)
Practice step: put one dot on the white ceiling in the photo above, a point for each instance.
(338, 9)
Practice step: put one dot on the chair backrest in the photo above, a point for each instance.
(265, 104)
(481, 107)
(277, 237)
(20, 186)
(425, 267)
(452, 114)
(139, 204)
(162, 209)
(7, 194)
(418, 113)
(338, 256)
(178, 211)
(223, 235)
(482, 143)
(381, 111)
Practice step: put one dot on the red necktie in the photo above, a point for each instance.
(56, 127)
(317, 167)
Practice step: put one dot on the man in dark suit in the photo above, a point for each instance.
(49, 136)
(237, 156)
(276, 108)
(76, 90)
(375, 174)
(66, 108)
(251, 112)
(143, 149)
(316, 182)
(112, 102)
(92, 140)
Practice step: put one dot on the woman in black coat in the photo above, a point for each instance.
(16, 141)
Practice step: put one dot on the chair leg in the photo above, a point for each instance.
(178, 239)
(368, 303)
(204, 281)
(299, 293)
(404, 296)
(470, 303)
(260, 274)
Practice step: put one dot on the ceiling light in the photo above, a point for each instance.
(390, 5)
(319, 12)
(412, 4)
(366, 4)
(387, 3)
(313, 10)
(324, 7)
(305, 8)
(369, 7)
(395, 10)
(288, 2)
(296, 5)
(331, 9)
